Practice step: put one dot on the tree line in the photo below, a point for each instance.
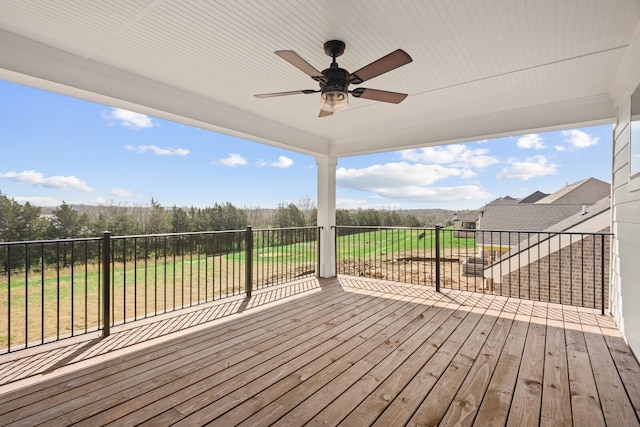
(20, 222)
(25, 222)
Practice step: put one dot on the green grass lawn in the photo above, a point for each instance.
(375, 242)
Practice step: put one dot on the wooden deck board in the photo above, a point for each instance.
(496, 402)
(556, 399)
(346, 351)
(616, 406)
(527, 397)
(221, 372)
(355, 330)
(438, 401)
(404, 405)
(466, 403)
(352, 396)
(628, 367)
(370, 409)
(297, 387)
(585, 402)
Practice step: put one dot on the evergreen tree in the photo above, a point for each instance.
(157, 220)
(181, 222)
(288, 216)
(67, 223)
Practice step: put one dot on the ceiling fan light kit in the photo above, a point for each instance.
(334, 81)
(333, 101)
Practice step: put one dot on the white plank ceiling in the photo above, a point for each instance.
(481, 68)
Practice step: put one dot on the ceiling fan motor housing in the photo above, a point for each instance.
(337, 80)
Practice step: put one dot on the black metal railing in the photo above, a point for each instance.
(49, 289)
(282, 254)
(54, 289)
(569, 268)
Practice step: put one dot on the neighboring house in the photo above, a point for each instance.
(533, 213)
(465, 221)
(534, 197)
(569, 268)
(516, 259)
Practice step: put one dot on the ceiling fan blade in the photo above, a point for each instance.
(379, 95)
(292, 92)
(324, 113)
(387, 63)
(296, 60)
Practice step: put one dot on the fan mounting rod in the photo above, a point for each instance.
(334, 48)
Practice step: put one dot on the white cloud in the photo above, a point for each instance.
(168, 151)
(59, 182)
(405, 181)
(560, 148)
(457, 155)
(233, 160)
(527, 169)
(441, 194)
(282, 163)
(121, 193)
(579, 139)
(37, 200)
(128, 119)
(468, 174)
(393, 175)
(532, 140)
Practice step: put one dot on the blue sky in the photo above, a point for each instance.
(54, 148)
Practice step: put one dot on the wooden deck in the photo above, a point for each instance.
(342, 351)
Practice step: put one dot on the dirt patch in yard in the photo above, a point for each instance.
(413, 268)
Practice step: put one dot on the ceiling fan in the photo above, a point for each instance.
(334, 81)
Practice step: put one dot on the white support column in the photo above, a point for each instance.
(327, 213)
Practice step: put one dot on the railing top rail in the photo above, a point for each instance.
(32, 242)
(194, 233)
(581, 233)
(187, 233)
(312, 227)
(382, 227)
(473, 230)
(141, 236)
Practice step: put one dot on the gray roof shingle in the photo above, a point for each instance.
(554, 212)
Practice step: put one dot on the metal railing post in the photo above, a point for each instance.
(248, 261)
(602, 272)
(318, 236)
(106, 284)
(438, 258)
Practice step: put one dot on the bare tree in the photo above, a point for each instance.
(308, 207)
